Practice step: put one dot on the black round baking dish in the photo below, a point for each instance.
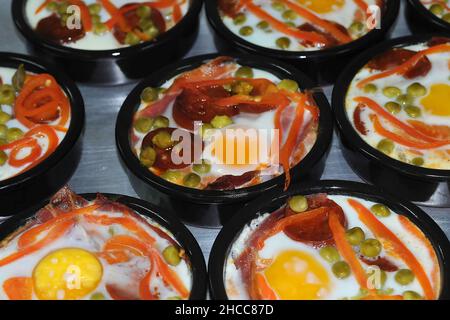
(322, 66)
(110, 67)
(41, 182)
(157, 214)
(422, 20)
(274, 200)
(423, 186)
(212, 208)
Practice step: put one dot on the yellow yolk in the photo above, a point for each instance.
(437, 102)
(67, 274)
(322, 6)
(297, 275)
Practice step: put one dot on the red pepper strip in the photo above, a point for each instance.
(177, 14)
(56, 232)
(327, 26)
(122, 242)
(52, 137)
(441, 132)
(15, 144)
(29, 237)
(312, 107)
(388, 116)
(381, 231)
(42, 6)
(85, 15)
(362, 5)
(19, 288)
(405, 141)
(282, 27)
(34, 154)
(264, 290)
(407, 65)
(346, 250)
(116, 15)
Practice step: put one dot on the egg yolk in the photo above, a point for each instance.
(322, 6)
(67, 274)
(437, 102)
(297, 275)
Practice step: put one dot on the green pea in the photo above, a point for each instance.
(412, 295)
(95, 19)
(3, 157)
(289, 85)
(18, 78)
(341, 269)
(446, 17)
(160, 122)
(418, 161)
(3, 131)
(132, 39)
(413, 111)
(4, 117)
(405, 100)
(192, 180)
(100, 28)
(263, 25)
(206, 131)
(278, 6)
(386, 146)
(172, 255)
(370, 248)
(147, 156)
(289, 15)
(174, 298)
(298, 203)
(94, 8)
(437, 9)
(14, 134)
(370, 88)
(143, 125)
(152, 32)
(404, 277)
(329, 254)
(355, 236)
(52, 6)
(283, 43)
(416, 90)
(393, 107)
(242, 87)
(98, 296)
(220, 122)
(290, 24)
(380, 210)
(244, 72)
(392, 92)
(240, 19)
(246, 31)
(62, 7)
(149, 94)
(7, 94)
(202, 168)
(173, 176)
(163, 140)
(356, 27)
(143, 11)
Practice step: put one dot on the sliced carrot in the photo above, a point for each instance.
(19, 288)
(407, 65)
(381, 231)
(346, 251)
(264, 290)
(316, 20)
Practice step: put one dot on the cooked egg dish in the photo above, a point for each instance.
(332, 247)
(92, 250)
(240, 125)
(103, 24)
(440, 8)
(399, 103)
(300, 25)
(34, 119)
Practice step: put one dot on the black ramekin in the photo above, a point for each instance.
(210, 208)
(429, 187)
(421, 20)
(322, 66)
(275, 200)
(117, 66)
(183, 236)
(42, 181)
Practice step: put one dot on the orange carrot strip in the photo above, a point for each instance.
(42, 6)
(346, 250)
(405, 141)
(144, 285)
(381, 231)
(264, 290)
(19, 288)
(170, 276)
(56, 232)
(34, 154)
(316, 20)
(407, 65)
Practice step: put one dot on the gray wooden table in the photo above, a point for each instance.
(100, 170)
